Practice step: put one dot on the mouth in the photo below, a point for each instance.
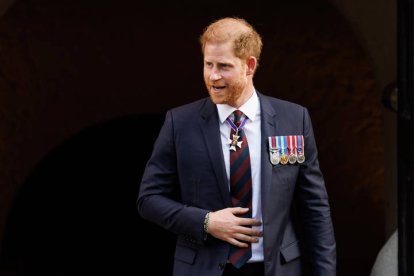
(217, 88)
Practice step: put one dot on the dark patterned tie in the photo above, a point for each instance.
(240, 183)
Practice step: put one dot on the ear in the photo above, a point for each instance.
(251, 65)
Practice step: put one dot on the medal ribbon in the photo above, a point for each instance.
(273, 143)
(284, 145)
(295, 144)
(290, 144)
(277, 143)
(300, 144)
(234, 127)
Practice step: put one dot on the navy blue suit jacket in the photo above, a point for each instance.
(185, 178)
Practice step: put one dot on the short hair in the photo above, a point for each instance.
(246, 41)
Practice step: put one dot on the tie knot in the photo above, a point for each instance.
(237, 117)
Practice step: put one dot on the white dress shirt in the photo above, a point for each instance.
(253, 134)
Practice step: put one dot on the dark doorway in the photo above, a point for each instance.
(77, 212)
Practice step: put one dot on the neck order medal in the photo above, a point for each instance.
(235, 142)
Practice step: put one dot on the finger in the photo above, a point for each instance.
(250, 222)
(238, 243)
(249, 232)
(239, 210)
(246, 238)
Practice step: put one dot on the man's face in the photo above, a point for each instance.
(225, 75)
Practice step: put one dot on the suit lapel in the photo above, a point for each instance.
(268, 127)
(210, 127)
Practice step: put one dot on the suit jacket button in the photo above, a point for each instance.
(222, 266)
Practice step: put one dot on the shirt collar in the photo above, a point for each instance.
(249, 108)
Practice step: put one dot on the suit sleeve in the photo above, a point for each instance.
(159, 194)
(314, 208)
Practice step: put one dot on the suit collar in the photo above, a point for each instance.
(267, 108)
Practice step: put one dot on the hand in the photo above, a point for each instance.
(227, 226)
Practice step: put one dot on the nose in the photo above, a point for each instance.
(214, 76)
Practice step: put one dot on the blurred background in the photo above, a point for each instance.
(84, 87)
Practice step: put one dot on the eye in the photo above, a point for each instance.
(208, 64)
(224, 66)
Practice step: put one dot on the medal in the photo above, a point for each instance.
(274, 158)
(292, 158)
(274, 150)
(286, 149)
(283, 159)
(234, 142)
(300, 149)
(301, 158)
(283, 145)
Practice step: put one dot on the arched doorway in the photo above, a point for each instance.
(76, 211)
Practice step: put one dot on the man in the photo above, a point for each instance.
(236, 176)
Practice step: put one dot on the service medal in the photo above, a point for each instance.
(274, 158)
(292, 158)
(274, 150)
(301, 158)
(283, 159)
(283, 145)
(300, 149)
